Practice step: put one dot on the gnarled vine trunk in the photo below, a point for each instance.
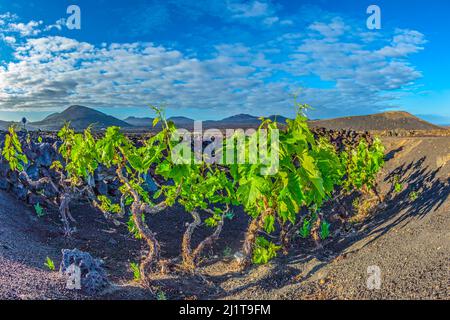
(315, 231)
(151, 261)
(285, 237)
(250, 239)
(37, 185)
(64, 211)
(208, 241)
(287, 233)
(64, 197)
(190, 257)
(186, 250)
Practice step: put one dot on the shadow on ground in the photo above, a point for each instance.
(423, 192)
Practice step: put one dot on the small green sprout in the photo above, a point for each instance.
(39, 210)
(398, 187)
(324, 230)
(49, 264)
(305, 230)
(414, 195)
(161, 296)
(136, 271)
(227, 252)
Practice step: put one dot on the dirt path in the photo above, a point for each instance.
(409, 240)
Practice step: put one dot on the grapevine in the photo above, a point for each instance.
(66, 181)
(315, 167)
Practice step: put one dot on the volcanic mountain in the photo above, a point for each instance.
(139, 122)
(240, 121)
(80, 118)
(181, 122)
(382, 121)
(236, 121)
(246, 118)
(5, 124)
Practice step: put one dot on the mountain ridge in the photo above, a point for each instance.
(389, 120)
(81, 117)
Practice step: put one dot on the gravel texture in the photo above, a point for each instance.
(409, 240)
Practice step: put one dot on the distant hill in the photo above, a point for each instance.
(382, 121)
(236, 121)
(80, 118)
(148, 122)
(182, 122)
(241, 121)
(246, 118)
(4, 125)
(139, 122)
(240, 118)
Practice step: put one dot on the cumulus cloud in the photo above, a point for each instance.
(58, 25)
(26, 29)
(55, 71)
(352, 72)
(8, 39)
(334, 29)
(249, 10)
(405, 42)
(11, 28)
(7, 17)
(264, 11)
(355, 76)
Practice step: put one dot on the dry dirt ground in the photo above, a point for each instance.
(407, 239)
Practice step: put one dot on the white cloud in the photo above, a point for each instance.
(271, 20)
(26, 29)
(7, 17)
(10, 24)
(334, 29)
(58, 25)
(56, 71)
(249, 10)
(356, 76)
(286, 22)
(404, 43)
(264, 11)
(9, 40)
(353, 72)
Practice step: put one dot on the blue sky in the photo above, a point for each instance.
(211, 59)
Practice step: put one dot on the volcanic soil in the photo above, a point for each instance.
(407, 238)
